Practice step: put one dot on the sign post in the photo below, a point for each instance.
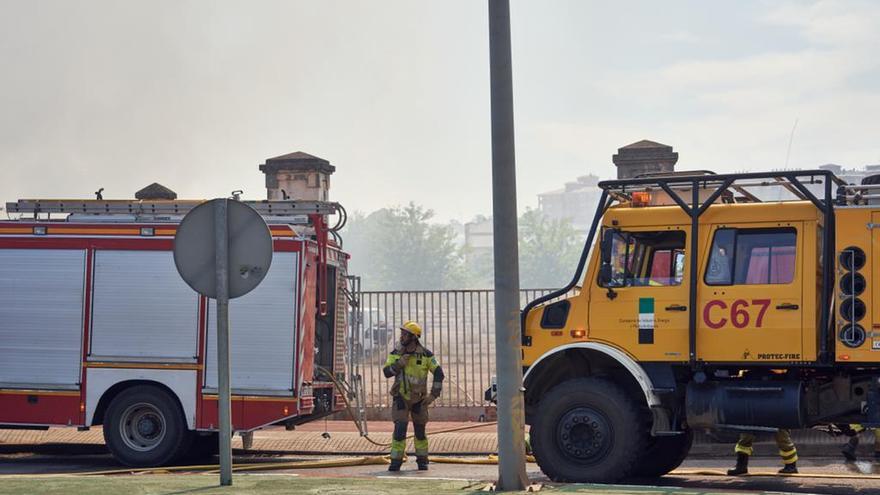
(224, 389)
(223, 250)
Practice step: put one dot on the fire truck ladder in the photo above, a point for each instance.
(277, 208)
(355, 356)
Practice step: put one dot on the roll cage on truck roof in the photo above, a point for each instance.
(676, 184)
(615, 381)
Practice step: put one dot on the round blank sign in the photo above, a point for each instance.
(250, 248)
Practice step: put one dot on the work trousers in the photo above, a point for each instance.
(401, 411)
(783, 440)
(854, 439)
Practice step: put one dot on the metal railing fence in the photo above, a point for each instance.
(459, 328)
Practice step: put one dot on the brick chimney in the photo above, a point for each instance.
(297, 175)
(644, 157)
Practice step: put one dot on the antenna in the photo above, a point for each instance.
(790, 140)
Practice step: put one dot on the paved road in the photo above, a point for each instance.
(30, 463)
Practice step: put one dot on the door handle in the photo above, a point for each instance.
(676, 307)
(788, 306)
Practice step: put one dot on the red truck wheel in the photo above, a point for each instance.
(144, 426)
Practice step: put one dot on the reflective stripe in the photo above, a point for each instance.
(739, 449)
(397, 449)
(788, 456)
(421, 446)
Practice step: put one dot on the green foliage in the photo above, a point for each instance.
(480, 269)
(548, 254)
(148, 484)
(399, 249)
(548, 251)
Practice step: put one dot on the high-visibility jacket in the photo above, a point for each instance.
(411, 374)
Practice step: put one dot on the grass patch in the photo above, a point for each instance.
(242, 484)
(200, 484)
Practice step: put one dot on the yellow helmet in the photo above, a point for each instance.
(413, 328)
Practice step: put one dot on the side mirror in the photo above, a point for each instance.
(605, 273)
(605, 256)
(605, 245)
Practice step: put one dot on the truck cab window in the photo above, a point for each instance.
(752, 256)
(646, 259)
(666, 267)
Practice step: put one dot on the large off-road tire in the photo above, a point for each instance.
(144, 426)
(588, 430)
(664, 454)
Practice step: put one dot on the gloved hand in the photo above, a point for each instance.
(428, 400)
(436, 390)
(400, 364)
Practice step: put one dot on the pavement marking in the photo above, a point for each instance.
(261, 474)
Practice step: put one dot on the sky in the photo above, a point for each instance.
(395, 94)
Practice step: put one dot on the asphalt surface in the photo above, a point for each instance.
(64, 450)
(341, 437)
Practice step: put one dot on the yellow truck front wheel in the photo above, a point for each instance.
(589, 430)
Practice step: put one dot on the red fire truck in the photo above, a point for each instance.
(98, 328)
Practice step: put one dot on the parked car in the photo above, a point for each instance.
(375, 333)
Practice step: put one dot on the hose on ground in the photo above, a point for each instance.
(260, 466)
(712, 472)
(264, 466)
(344, 389)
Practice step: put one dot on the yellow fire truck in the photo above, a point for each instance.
(739, 302)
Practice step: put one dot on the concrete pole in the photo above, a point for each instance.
(224, 392)
(511, 416)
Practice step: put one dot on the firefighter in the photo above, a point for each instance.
(850, 447)
(787, 452)
(409, 364)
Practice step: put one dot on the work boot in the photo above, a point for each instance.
(849, 449)
(422, 461)
(742, 465)
(789, 469)
(395, 465)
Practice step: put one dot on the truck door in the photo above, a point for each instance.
(750, 293)
(641, 306)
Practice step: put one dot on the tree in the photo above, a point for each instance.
(548, 250)
(399, 249)
(548, 254)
